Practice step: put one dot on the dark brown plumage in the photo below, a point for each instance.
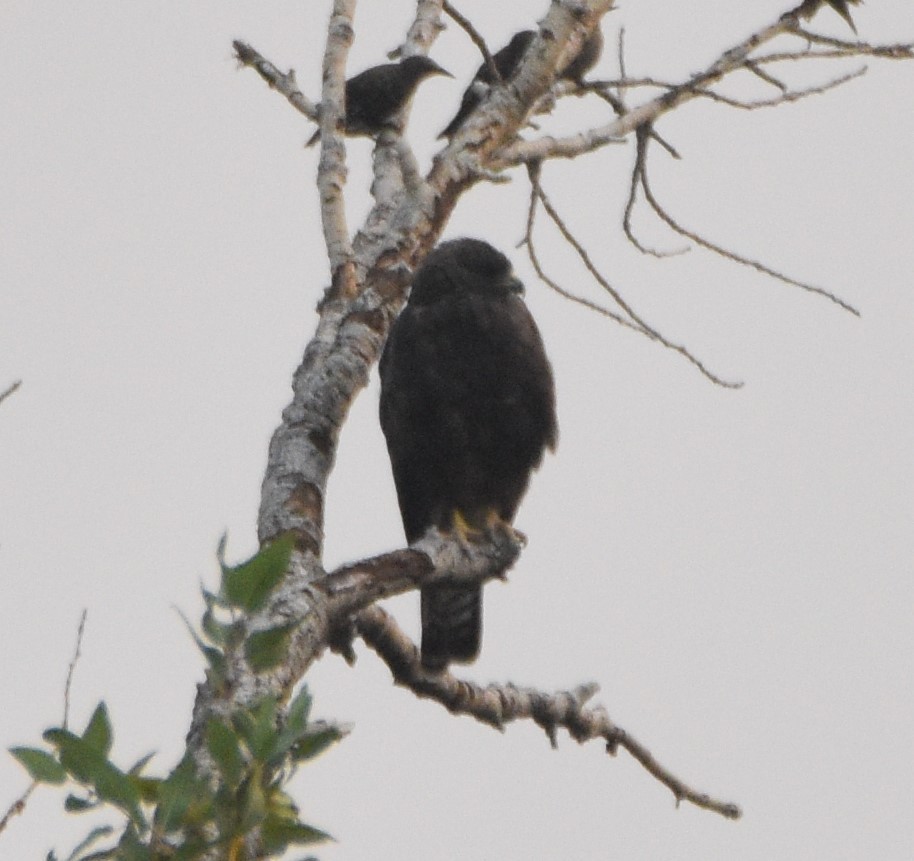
(586, 58)
(374, 97)
(468, 408)
(810, 7)
(507, 61)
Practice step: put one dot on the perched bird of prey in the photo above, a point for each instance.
(810, 7)
(507, 61)
(468, 409)
(375, 96)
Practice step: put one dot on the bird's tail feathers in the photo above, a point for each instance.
(451, 624)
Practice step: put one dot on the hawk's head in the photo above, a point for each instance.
(463, 265)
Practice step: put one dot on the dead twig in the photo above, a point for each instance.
(12, 388)
(634, 321)
(466, 25)
(698, 239)
(282, 82)
(76, 656)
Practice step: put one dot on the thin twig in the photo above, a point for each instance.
(786, 96)
(468, 28)
(730, 255)
(282, 82)
(641, 137)
(897, 51)
(18, 806)
(640, 325)
(72, 667)
(497, 705)
(14, 387)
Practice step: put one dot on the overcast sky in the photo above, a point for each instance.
(733, 568)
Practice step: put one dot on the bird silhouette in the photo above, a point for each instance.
(507, 61)
(374, 97)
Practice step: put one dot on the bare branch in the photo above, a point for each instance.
(498, 705)
(639, 324)
(17, 808)
(897, 51)
(425, 28)
(476, 38)
(738, 58)
(641, 138)
(282, 82)
(730, 255)
(435, 557)
(331, 174)
(76, 656)
(787, 95)
(9, 390)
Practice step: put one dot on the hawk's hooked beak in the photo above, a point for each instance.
(515, 285)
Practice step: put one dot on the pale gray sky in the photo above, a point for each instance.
(734, 568)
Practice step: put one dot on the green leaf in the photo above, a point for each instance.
(296, 723)
(129, 847)
(216, 632)
(184, 799)
(253, 801)
(90, 767)
(148, 787)
(141, 763)
(191, 850)
(222, 743)
(214, 657)
(277, 834)
(248, 585)
(316, 741)
(98, 731)
(75, 804)
(175, 795)
(264, 736)
(40, 765)
(220, 549)
(267, 649)
(243, 722)
(92, 837)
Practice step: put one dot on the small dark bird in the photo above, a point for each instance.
(468, 409)
(374, 97)
(810, 7)
(586, 58)
(507, 61)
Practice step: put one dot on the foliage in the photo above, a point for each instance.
(256, 751)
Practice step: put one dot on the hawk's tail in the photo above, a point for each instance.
(451, 624)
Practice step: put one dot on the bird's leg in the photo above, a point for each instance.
(464, 533)
(497, 528)
(494, 529)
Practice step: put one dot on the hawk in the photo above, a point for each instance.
(374, 97)
(468, 409)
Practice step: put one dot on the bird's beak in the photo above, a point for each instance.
(515, 285)
(441, 71)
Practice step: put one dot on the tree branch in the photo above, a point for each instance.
(738, 58)
(282, 82)
(435, 557)
(498, 705)
(9, 390)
